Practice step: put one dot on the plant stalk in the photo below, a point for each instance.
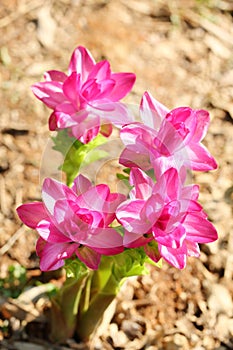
(90, 319)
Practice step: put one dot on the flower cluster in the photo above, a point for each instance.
(165, 216)
(161, 214)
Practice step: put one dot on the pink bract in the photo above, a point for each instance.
(165, 218)
(87, 97)
(73, 221)
(168, 139)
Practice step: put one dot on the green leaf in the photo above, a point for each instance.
(103, 273)
(76, 153)
(63, 142)
(75, 268)
(151, 174)
(130, 263)
(64, 308)
(94, 155)
(122, 176)
(127, 170)
(158, 264)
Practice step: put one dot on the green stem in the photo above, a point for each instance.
(89, 320)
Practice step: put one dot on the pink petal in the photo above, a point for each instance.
(190, 192)
(32, 213)
(52, 255)
(71, 89)
(151, 249)
(94, 219)
(193, 249)
(142, 182)
(172, 239)
(163, 163)
(113, 112)
(168, 141)
(94, 90)
(134, 240)
(168, 184)
(49, 92)
(86, 130)
(203, 120)
(200, 158)
(104, 240)
(109, 250)
(50, 233)
(52, 191)
(55, 75)
(175, 257)
(152, 209)
(94, 198)
(139, 141)
(130, 158)
(65, 218)
(65, 116)
(52, 122)
(199, 229)
(132, 133)
(129, 215)
(152, 112)
(190, 205)
(184, 121)
(81, 62)
(123, 84)
(81, 184)
(100, 71)
(89, 257)
(112, 201)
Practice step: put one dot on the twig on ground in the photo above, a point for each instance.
(3, 206)
(12, 240)
(228, 273)
(214, 29)
(20, 11)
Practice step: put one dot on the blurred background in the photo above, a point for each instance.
(182, 52)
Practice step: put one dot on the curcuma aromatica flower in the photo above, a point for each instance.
(86, 99)
(73, 221)
(167, 138)
(164, 217)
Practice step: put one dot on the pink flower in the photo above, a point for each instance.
(73, 221)
(85, 98)
(169, 139)
(165, 218)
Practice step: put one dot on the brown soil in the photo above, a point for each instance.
(182, 52)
